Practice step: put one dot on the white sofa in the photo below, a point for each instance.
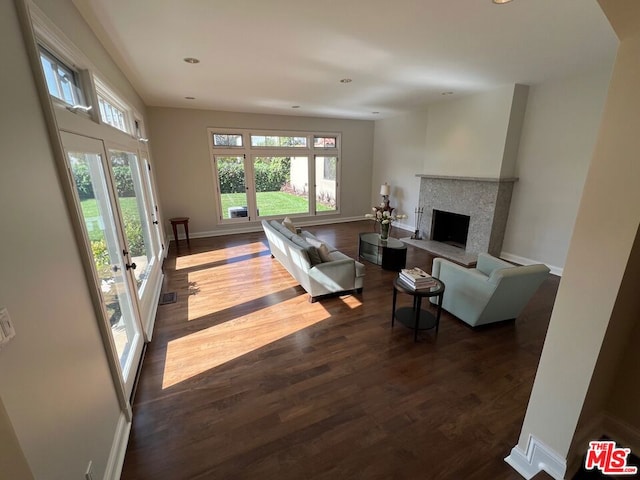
(493, 291)
(298, 253)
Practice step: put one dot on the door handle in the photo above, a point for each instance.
(155, 222)
(115, 268)
(130, 266)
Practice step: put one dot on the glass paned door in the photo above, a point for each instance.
(282, 185)
(125, 169)
(156, 233)
(149, 300)
(232, 185)
(326, 183)
(86, 161)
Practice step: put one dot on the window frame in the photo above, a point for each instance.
(251, 152)
(86, 123)
(107, 95)
(227, 134)
(72, 74)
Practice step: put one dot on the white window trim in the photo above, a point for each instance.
(53, 39)
(103, 90)
(56, 41)
(250, 153)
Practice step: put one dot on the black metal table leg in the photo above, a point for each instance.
(417, 307)
(439, 311)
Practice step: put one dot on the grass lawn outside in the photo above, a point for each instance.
(91, 215)
(271, 203)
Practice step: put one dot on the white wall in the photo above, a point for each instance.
(54, 378)
(12, 461)
(398, 155)
(612, 389)
(600, 249)
(560, 125)
(179, 143)
(466, 136)
(558, 136)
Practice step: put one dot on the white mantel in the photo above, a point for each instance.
(469, 179)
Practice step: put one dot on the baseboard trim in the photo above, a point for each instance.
(510, 257)
(118, 449)
(602, 424)
(621, 432)
(538, 457)
(257, 226)
(151, 321)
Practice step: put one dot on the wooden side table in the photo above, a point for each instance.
(184, 221)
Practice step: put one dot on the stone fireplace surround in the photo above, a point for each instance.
(485, 200)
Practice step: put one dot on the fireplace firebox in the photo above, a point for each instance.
(451, 228)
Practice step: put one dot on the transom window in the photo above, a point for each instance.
(112, 115)
(324, 142)
(113, 111)
(278, 141)
(262, 174)
(62, 81)
(227, 140)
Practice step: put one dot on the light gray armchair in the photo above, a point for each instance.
(493, 291)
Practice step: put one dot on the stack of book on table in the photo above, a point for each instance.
(416, 279)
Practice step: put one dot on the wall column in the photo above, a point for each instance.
(599, 251)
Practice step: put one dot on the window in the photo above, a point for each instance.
(230, 172)
(62, 82)
(262, 174)
(112, 115)
(111, 183)
(278, 141)
(329, 170)
(282, 185)
(324, 142)
(326, 183)
(113, 111)
(227, 140)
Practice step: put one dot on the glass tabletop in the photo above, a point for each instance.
(374, 239)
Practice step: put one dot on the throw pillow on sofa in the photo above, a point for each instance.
(312, 252)
(323, 251)
(289, 224)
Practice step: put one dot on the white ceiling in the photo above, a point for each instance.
(265, 56)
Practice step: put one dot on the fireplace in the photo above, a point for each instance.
(485, 201)
(451, 228)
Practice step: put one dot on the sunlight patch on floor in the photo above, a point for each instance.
(209, 348)
(220, 255)
(351, 301)
(251, 280)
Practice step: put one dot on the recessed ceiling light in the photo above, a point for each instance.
(191, 60)
(446, 93)
(190, 98)
(345, 80)
(295, 106)
(501, 2)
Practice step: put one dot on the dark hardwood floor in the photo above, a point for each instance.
(244, 378)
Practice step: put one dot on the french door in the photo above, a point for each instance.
(99, 199)
(232, 176)
(132, 189)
